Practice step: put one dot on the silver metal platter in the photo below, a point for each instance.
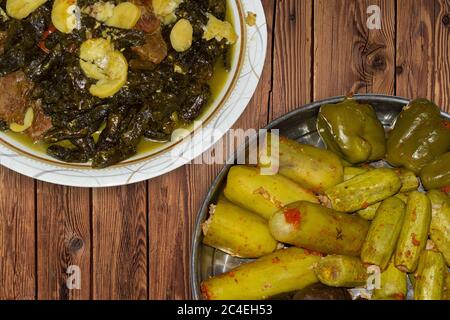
(299, 125)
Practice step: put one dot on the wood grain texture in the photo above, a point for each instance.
(134, 242)
(292, 58)
(175, 198)
(423, 45)
(64, 239)
(441, 53)
(169, 234)
(17, 236)
(348, 57)
(416, 69)
(119, 242)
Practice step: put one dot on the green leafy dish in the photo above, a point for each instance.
(90, 80)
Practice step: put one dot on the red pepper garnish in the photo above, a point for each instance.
(276, 260)
(446, 124)
(415, 242)
(398, 296)
(292, 216)
(206, 294)
(313, 253)
(446, 189)
(45, 35)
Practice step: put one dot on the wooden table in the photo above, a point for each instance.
(133, 242)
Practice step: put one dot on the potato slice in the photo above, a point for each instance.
(164, 8)
(117, 71)
(125, 16)
(106, 88)
(93, 57)
(218, 29)
(181, 35)
(101, 62)
(20, 9)
(65, 15)
(117, 67)
(27, 122)
(100, 11)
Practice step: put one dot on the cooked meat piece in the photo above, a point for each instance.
(14, 102)
(154, 50)
(148, 22)
(14, 98)
(41, 122)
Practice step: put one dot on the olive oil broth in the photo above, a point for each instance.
(217, 84)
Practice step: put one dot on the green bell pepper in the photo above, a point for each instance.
(419, 136)
(436, 174)
(352, 130)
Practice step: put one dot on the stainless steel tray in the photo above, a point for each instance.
(301, 126)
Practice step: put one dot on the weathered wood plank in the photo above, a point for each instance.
(348, 57)
(17, 236)
(416, 69)
(119, 242)
(442, 54)
(169, 234)
(292, 58)
(64, 239)
(175, 198)
(423, 45)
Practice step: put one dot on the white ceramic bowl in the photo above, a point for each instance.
(247, 65)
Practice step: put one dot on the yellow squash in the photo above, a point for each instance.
(283, 271)
(263, 194)
(237, 231)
